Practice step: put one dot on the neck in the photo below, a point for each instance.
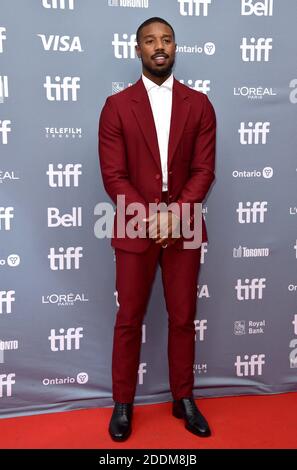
(154, 78)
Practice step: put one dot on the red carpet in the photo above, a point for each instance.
(267, 421)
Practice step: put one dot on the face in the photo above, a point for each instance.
(156, 49)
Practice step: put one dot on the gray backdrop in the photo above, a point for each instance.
(59, 60)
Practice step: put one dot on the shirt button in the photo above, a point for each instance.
(170, 172)
(158, 176)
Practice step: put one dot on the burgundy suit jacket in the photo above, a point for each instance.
(129, 153)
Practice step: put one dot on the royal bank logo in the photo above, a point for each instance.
(56, 43)
(64, 300)
(116, 87)
(58, 133)
(7, 176)
(266, 173)
(255, 50)
(194, 7)
(61, 88)
(293, 94)
(198, 85)
(254, 93)
(3, 87)
(257, 8)
(128, 3)
(253, 327)
(209, 48)
(58, 4)
(239, 327)
(2, 38)
(245, 252)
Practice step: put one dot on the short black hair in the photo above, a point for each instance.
(154, 19)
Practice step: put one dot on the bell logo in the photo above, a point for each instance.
(250, 7)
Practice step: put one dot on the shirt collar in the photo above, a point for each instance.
(149, 84)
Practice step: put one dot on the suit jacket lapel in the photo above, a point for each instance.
(142, 110)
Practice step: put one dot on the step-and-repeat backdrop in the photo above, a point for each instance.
(59, 60)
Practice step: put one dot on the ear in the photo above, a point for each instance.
(138, 51)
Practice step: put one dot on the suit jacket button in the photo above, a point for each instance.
(170, 196)
(170, 172)
(157, 200)
(158, 176)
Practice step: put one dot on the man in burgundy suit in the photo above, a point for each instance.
(156, 145)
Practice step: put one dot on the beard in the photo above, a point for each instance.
(159, 72)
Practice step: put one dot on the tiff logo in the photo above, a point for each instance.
(293, 93)
(60, 43)
(65, 341)
(252, 213)
(58, 4)
(73, 219)
(250, 7)
(141, 371)
(6, 215)
(3, 87)
(124, 49)
(194, 7)
(294, 322)
(254, 133)
(6, 299)
(64, 177)
(200, 327)
(251, 289)
(256, 51)
(198, 85)
(6, 382)
(4, 129)
(251, 365)
(66, 258)
(60, 91)
(2, 37)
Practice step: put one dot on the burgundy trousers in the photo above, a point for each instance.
(135, 273)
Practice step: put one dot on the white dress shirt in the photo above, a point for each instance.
(161, 103)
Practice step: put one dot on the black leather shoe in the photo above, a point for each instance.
(120, 424)
(194, 420)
